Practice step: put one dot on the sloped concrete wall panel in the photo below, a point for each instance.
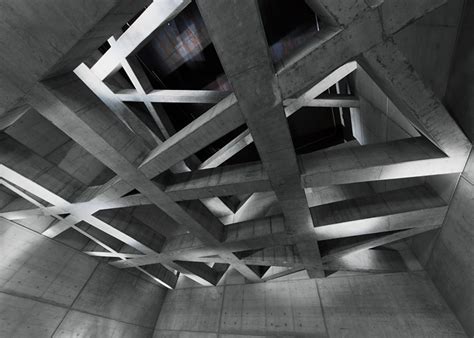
(119, 295)
(82, 325)
(388, 305)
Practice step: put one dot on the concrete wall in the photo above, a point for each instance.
(392, 305)
(46, 38)
(459, 94)
(48, 289)
(448, 255)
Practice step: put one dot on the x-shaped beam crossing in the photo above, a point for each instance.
(262, 98)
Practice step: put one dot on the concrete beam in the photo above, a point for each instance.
(409, 208)
(341, 101)
(405, 158)
(397, 78)
(412, 207)
(199, 272)
(173, 96)
(220, 181)
(412, 157)
(108, 97)
(166, 278)
(10, 117)
(160, 274)
(275, 256)
(382, 240)
(283, 273)
(142, 85)
(292, 105)
(248, 64)
(210, 126)
(214, 96)
(361, 29)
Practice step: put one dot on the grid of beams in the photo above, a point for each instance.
(262, 98)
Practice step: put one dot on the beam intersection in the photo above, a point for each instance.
(291, 238)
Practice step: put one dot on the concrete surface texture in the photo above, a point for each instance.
(48, 289)
(121, 219)
(392, 305)
(70, 32)
(449, 253)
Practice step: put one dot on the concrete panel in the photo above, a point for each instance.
(36, 223)
(21, 317)
(78, 324)
(362, 305)
(238, 335)
(429, 44)
(121, 296)
(37, 272)
(459, 94)
(32, 265)
(70, 31)
(395, 305)
(451, 264)
(194, 309)
(283, 308)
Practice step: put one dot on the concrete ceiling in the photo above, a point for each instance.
(302, 151)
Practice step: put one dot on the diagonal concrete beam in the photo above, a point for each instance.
(142, 85)
(292, 105)
(212, 125)
(283, 273)
(219, 120)
(101, 90)
(382, 240)
(10, 117)
(415, 157)
(201, 223)
(214, 96)
(220, 181)
(306, 98)
(362, 27)
(173, 96)
(399, 209)
(37, 190)
(397, 78)
(160, 274)
(341, 101)
(140, 81)
(230, 149)
(247, 65)
(371, 261)
(414, 207)
(199, 272)
(367, 31)
(70, 123)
